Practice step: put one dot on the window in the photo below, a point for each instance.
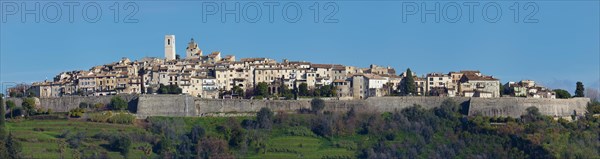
(168, 41)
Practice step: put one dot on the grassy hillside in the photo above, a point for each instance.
(411, 133)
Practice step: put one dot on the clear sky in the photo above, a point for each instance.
(554, 42)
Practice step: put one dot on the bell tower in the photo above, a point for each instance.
(192, 51)
(170, 47)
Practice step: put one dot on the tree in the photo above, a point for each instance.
(11, 106)
(170, 89)
(122, 144)
(197, 133)
(579, 90)
(264, 118)
(238, 90)
(317, 104)
(286, 92)
(533, 114)
(562, 94)
(262, 89)
(13, 147)
(29, 106)
(407, 86)
(303, 89)
(501, 89)
(213, 148)
(3, 150)
(2, 119)
(118, 103)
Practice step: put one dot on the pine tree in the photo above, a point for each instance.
(579, 90)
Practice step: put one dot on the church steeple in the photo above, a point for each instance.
(192, 51)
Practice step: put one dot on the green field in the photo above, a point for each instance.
(41, 138)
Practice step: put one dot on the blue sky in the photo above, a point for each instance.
(560, 49)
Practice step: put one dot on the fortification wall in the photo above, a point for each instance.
(389, 104)
(64, 104)
(184, 105)
(515, 107)
(166, 105)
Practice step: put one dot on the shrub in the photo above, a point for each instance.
(264, 118)
(76, 140)
(299, 131)
(100, 116)
(121, 118)
(121, 144)
(28, 106)
(197, 133)
(99, 106)
(76, 112)
(317, 104)
(84, 105)
(118, 103)
(64, 134)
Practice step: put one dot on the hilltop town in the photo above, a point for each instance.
(216, 76)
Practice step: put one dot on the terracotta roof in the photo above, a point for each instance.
(253, 59)
(478, 78)
(321, 65)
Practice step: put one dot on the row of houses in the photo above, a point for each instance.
(209, 76)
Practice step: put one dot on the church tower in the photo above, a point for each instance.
(192, 51)
(170, 47)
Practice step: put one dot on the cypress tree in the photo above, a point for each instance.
(579, 90)
(407, 87)
(13, 147)
(2, 119)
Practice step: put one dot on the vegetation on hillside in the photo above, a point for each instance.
(415, 132)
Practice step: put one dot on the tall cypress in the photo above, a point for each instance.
(13, 147)
(579, 90)
(2, 119)
(407, 87)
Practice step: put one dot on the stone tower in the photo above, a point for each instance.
(192, 51)
(170, 47)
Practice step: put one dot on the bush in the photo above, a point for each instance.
(84, 105)
(118, 103)
(121, 118)
(17, 112)
(76, 113)
(99, 106)
(28, 106)
(100, 116)
(76, 140)
(317, 104)
(121, 144)
(264, 118)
